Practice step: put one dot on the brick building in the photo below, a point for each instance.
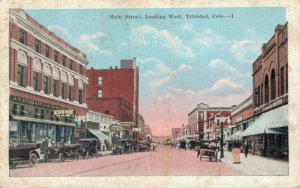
(198, 120)
(47, 83)
(269, 130)
(115, 91)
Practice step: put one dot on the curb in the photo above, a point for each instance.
(242, 173)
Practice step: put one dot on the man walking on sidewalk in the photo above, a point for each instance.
(246, 148)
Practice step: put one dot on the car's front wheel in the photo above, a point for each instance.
(33, 159)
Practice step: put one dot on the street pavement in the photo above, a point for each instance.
(164, 162)
(257, 166)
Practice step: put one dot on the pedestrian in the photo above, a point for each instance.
(246, 147)
(45, 144)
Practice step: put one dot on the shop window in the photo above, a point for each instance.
(42, 114)
(55, 84)
(13, 130)
(22, 36)
(63, 88)
(45, 84)
(68, 134)
(35, 81)
(15, 109)
(273, 85)
(21, 75)
(37, 46)
(22, 112)
(47, 51)
(52, 132)
(266, 89)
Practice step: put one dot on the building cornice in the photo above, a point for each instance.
(22, 21)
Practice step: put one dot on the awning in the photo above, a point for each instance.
(99, 135)
(235, 136)
(268, 122)
(22, 118)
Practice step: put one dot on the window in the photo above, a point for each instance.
(286, 78)
(70, 93)
(47, 51)
(258, 101)
(282, 80)
(22, 36)
(15, 109)
(56, 56)
(71, 64)
(42, 114)
(99, 93)
(106, 112)
(36, 81)
(273, 85)
(45, 84)
(36, 113)
(55, 93)
(80, 96)
(261, 94)
(21, 75)
(81, 69)
(64, 60)
(37, 46)
(99, 80)
(266, 89)
(22, 112)
(63, 88)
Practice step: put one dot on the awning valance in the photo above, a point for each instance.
(36, 120)
(267, 122)
(99, 135)
(235, 136)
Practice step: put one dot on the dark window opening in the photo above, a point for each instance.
(37, 46)
(22, 37)
(46, 81)
(47, 51)
(64, 59)
(70, 93)
(106, 112)
(55, 93)
(21, 75)
(22, 112)
(35, 81)
(56, 56)
(42, 114)
(282, 80)
(15, 109)
(80, 96)
(63, 86)
(36, 113)
(273, 85)
(266, 89)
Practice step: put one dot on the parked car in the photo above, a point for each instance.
(89, 147)
(63, 151)
(182, 144)
(122, 146)
(25, 153)
(142, 146)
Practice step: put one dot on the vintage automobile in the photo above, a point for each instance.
(25, 153)
(192, 144)
(208, 148)
(135, 146)
(89, 147)
(63, 151)
(142, 146)
(122, 146)
(182, 144)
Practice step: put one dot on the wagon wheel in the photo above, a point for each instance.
(77, 156)
(33, 159)
(61, 157)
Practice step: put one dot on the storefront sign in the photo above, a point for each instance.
(63, 113)
(239, 119)
(121, 127)
(127, 125)
(33, 103)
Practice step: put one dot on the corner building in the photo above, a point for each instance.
(47, 79)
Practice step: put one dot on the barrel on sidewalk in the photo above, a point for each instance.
(236, 153)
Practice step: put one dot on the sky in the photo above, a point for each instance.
(183, 61)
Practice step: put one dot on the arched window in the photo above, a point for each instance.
(273, 85)
(266, 89)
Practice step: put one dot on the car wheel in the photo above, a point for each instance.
(77, 156)
(33, 159)
(61, 157)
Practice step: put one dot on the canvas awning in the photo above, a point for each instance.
(100, 135)
(235, 136)
(269, 122)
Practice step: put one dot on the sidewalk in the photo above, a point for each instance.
(105, 153)
(257, 166)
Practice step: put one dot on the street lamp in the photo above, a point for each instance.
(221, 120)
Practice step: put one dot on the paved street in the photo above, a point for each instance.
(165, 161)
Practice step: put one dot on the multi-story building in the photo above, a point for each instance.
(214, 126)
(47, 83)
(270, 97)
(198, 120)
(241, 119)
(115, 92)
(176, 134)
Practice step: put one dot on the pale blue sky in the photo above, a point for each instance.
(191, 60)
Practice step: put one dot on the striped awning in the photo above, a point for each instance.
(235, 136)
(268, 122)
(99, 135)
